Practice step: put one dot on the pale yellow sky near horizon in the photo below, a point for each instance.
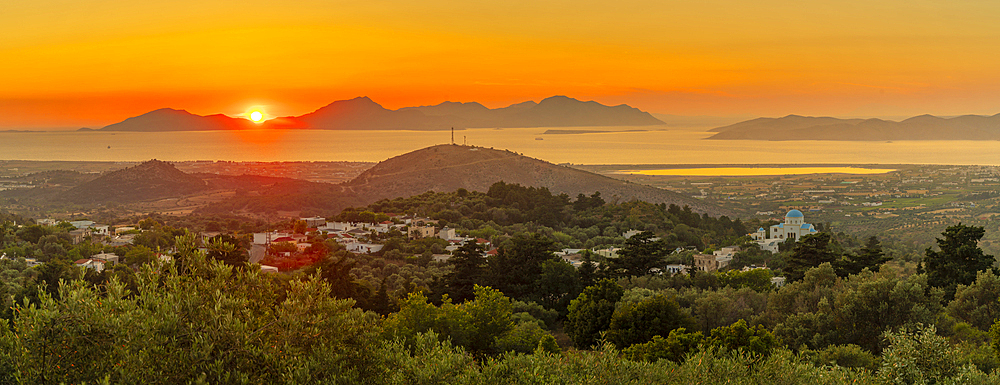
(73, 63)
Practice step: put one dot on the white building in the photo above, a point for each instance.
(722, 257)
(447, 234)
(312, 222)
(363, 248)
(94, 264)
(265, 238)
(82, 224)
(108, 258)
(381, 228)
(793, 228)
(417, 232)
(727, 252)
(611, 252)
(339, 226)
(711, 262)
(104, 230)
(674, 269)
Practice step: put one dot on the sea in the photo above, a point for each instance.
(612, 145)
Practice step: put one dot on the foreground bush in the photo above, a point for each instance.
(215, 323)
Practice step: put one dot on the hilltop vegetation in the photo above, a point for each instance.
(446, 168)
(150, 180)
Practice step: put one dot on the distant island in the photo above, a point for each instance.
(364, 114)
(574, 132)
(169, 119)
(923, 127)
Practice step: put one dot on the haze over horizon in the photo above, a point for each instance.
(70, 64)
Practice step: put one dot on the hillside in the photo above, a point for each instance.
(923, 127)
(255, 194)
(49, 185)
(441, 168)
(450, 167)
(147, 181)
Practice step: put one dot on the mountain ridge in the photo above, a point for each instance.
(362, 113)
(170, 119)
(921, 127)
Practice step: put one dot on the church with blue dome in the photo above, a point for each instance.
(793, 228)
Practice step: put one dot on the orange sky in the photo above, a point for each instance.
(73, 63)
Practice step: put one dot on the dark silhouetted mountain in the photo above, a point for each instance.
(556, 111)
(169, 119)
(467, 110)
(519, 107)
(923, 127)
(147, 181)
(561, 111)
(445, 168)
(364, 114)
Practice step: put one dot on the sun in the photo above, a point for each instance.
(257, 116)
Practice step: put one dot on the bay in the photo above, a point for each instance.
(623, 145)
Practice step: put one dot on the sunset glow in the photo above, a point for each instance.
(256, 116)
(70, 64)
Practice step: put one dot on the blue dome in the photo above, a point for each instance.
(794, 214)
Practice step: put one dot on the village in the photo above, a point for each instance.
(362, 238)
(908, 205)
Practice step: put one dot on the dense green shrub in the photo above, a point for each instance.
(848, 356)
(226, 325)
(591, 312)
(637, 323)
